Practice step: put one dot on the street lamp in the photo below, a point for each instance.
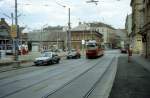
(69, 27)
(41, 36)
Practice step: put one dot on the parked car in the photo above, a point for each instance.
(73, 54)
(123, 50)
(47, 58)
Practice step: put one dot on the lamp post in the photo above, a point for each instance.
(69, 28)
(41, 37)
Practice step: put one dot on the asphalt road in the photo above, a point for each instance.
(132, 80)
(70, 79)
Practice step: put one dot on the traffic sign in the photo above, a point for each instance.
(83, 42)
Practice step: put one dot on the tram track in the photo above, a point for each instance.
(32, 74)
(97, 82)
(18, 90)
(29, 70)
(69, 82)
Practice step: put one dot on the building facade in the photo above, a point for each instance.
(128, 28)
(5, 38)
(80, 37)
(107, 31)
(121, 38)
(47, 39)
(137, 24)
(145, 30)
(128, 25)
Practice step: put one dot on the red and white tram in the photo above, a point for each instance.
(93, 50)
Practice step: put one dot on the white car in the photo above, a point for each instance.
(47, 58)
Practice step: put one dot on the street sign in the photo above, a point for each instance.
(13, 31)
(83, 42)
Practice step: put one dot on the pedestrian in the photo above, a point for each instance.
(129, 53)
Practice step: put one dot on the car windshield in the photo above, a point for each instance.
(46, 55)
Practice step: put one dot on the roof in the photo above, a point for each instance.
(4, 28)
(47, 35)
(3, 24)
(87, 26)
(100, 24)
(86, 31)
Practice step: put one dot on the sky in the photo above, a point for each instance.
(37, 14)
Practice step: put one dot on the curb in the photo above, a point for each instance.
(2, 64)
(13, 62)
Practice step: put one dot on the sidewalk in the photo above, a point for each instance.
(141, 60)
(13, 66)
(8, 62)
(132, 79)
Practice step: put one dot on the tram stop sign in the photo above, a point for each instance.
(83, 42)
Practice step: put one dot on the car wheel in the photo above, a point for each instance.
(57, 61)
(35, 64)
(50, 62)
(79, 56)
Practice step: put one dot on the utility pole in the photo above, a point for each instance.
(69, 28)
(17, 31)
(41, 37)
(69, 31)
(12, 19)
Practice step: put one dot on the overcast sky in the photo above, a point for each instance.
(37, 13)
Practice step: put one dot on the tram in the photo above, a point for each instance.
(93, 49)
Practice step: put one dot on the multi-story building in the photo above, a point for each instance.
(121, 38)
(106, 30)
(47, 39)
(80, 37)
(145, 30)
(137, 24)
(128, 27)
(5, 38)
(8, 35)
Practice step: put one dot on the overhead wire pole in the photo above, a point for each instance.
(96, 3)
(69, 31)
(17, 32)
(69, 27)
